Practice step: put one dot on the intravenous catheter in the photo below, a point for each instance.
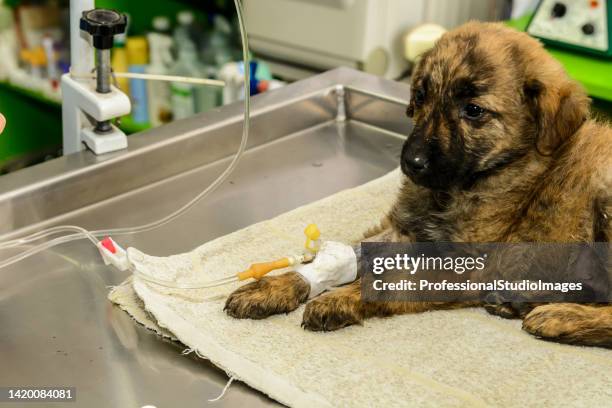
(113, 254)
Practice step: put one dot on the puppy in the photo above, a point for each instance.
(502, 150)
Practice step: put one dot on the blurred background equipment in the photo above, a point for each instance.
(301, 37)
(420, 39)
(35, 52)
(559, 24)
(578, 25)
(291, 39)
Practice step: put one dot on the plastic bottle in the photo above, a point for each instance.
(119, 61)
(183, 96)
(186, 29)
(231, 73)
(160, 44)
(49, 47)
(216, 49)
(215, 53)
(138, 59)
(161, 25)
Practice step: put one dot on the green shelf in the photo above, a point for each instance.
(36, 95)
(33, 130)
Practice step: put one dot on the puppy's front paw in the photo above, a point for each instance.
(268, 296)
(554, 320)
(571, 323)
(332, 311)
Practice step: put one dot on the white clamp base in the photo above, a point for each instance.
(106, 142)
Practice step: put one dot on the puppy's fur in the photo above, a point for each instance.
(502, 150)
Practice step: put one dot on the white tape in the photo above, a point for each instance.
(334, 265)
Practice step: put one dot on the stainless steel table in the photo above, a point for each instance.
(309, 140)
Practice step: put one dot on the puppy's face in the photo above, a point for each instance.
(481, 99)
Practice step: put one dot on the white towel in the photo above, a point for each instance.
(443, 358)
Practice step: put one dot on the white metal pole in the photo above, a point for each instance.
(81, 50)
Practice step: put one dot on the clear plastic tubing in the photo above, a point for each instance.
(76, 232)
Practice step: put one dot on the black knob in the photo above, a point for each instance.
(103, 24)
(588, 29)
(558, 10)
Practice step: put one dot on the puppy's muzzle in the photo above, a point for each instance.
(415, 156)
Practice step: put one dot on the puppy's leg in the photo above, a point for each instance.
(333, 310)
(277, 294)
(267, 296)
(343, 307)
(572, 324)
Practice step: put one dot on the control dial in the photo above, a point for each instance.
(558, 10)
(103, 24)
(588, 29)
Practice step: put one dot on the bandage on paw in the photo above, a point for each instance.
(334, 265)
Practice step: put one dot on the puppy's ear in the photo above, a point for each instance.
(558, 107)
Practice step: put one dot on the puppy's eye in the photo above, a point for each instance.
(419, 97)
(471, 111)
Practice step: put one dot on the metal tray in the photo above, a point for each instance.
(308, 140)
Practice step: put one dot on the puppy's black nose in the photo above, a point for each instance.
(416, 163)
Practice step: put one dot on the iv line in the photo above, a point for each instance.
(155, 77)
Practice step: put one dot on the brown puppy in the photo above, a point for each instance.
(502, 150)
